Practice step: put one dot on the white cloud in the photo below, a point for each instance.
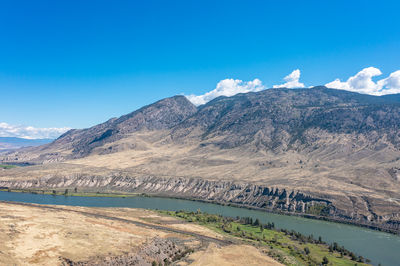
(227, 87)
(390, 84)
(292, 81)
(29, 132)
(362, 82)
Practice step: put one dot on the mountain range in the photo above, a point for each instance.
(13, 143)
(315, 151)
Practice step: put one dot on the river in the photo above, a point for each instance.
(377, 246)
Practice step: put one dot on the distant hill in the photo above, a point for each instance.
(12, 143)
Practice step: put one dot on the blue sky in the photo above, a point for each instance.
(78, 63)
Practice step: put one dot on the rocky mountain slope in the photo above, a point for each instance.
(339, 150)
(76, 143)
(282, 119)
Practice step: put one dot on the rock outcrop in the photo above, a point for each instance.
(271, 199)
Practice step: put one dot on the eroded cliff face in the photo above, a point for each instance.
(272, 199)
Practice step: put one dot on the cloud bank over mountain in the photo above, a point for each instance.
(362, 82)
(292, 81)
(227, 87)
(29, 132)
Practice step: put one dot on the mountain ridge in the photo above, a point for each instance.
(151, 117)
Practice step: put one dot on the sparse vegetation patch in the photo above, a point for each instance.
(287, 246)
(6, 166)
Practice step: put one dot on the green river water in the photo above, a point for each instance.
(377, 246)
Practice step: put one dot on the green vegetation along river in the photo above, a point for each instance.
(377, 246)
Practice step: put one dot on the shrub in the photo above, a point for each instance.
(307, 250)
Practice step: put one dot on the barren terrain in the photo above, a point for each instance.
(50, 235)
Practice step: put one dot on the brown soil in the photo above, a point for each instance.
(52, 235)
